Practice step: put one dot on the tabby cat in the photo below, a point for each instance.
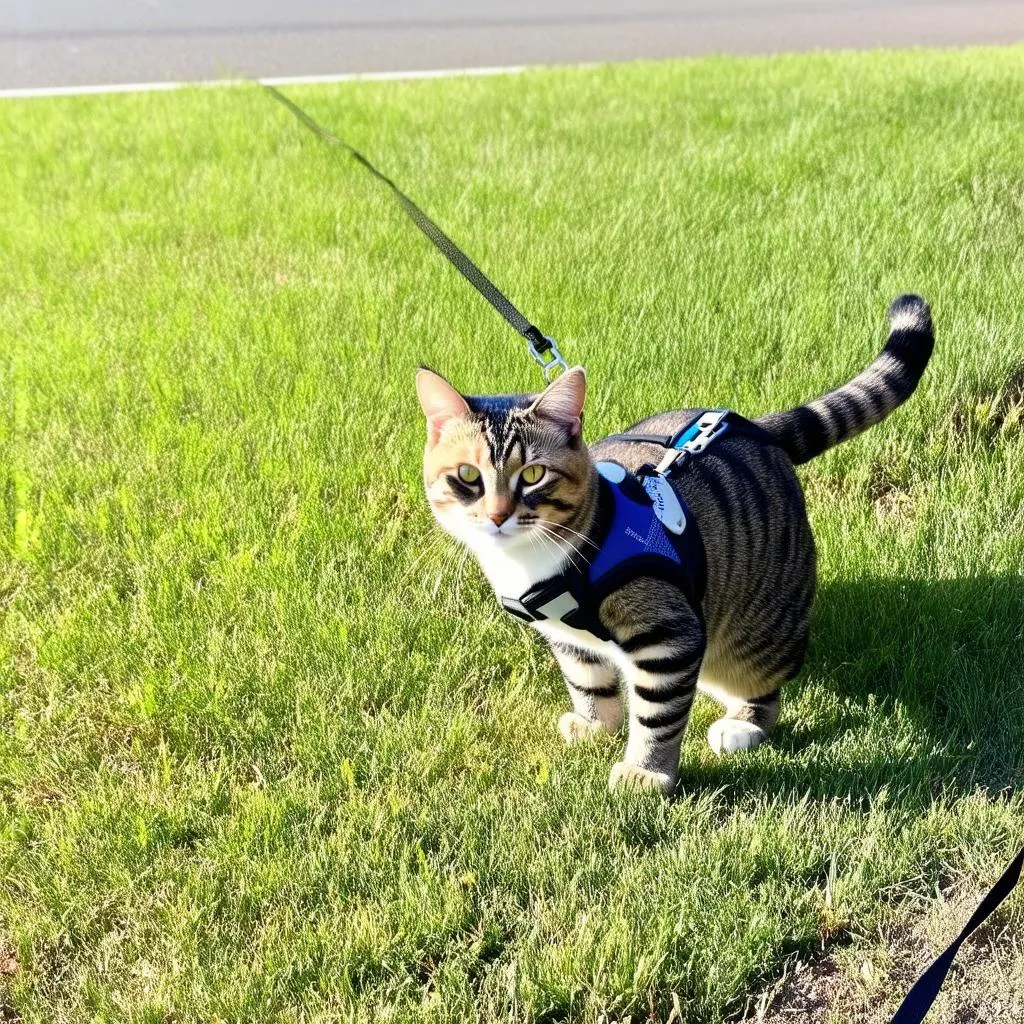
(510, 477)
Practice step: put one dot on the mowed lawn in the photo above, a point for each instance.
(268, 749)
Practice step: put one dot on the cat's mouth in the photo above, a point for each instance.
(504, 534)
(501, 533)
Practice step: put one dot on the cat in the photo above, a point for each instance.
(510, 478)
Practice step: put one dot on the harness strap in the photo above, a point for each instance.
(630, 541)
(562, 598)
(647, 530)
(664, 440)
(694, 437)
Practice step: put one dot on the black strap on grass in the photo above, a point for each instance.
(915, 1007)
(542, 348)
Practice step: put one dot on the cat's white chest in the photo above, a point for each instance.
(513, 576)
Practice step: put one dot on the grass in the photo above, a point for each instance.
(268, 753)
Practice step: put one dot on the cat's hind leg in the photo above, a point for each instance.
(750, 694)
(747, 723)
(746, 667)
(594, 688)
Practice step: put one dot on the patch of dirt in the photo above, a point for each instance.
(1012, 395)
(864, 983)
(889, 489)
(995, 410)
(8, 967)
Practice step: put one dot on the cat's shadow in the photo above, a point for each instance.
(911, 688)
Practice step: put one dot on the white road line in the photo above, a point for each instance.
(360, 76)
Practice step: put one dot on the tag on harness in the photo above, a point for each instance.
(665, 502)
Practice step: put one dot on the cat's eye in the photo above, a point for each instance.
(533, 474)
(468, 474)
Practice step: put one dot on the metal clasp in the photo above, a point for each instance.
(550, 367)
(709, 426)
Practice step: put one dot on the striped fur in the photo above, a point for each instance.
(889, 381)
(748, 636)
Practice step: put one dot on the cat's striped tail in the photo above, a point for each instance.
(890, 380)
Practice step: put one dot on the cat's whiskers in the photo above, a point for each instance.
(537, 532)
(563, 526)
(458, 565)
(536, 538)
(451, 560)
(459, 573)
(562, 544)
(546, 542)
(560, 553)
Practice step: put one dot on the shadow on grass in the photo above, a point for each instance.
(912, 687)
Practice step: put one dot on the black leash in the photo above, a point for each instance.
(915, 1007)
(542, 348)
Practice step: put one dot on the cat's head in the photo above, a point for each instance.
(502, 470)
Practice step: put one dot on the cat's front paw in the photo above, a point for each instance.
(633, 775)
(728, 735)
(574, 727)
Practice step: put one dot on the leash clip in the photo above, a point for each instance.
(553, 366)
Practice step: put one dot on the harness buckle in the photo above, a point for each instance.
(548, 347)
(668, 460)
(694, 439)
(550, 599)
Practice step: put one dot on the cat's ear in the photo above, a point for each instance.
(562, 400)
(439, 400)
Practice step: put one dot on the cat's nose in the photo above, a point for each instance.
(498, 517)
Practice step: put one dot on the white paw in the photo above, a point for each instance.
(632, 775)
(575, 727)
(728, 735)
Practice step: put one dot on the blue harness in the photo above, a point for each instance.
(646, 530)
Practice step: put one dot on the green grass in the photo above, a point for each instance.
(267, 755)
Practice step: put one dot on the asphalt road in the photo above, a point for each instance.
(87, 42)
